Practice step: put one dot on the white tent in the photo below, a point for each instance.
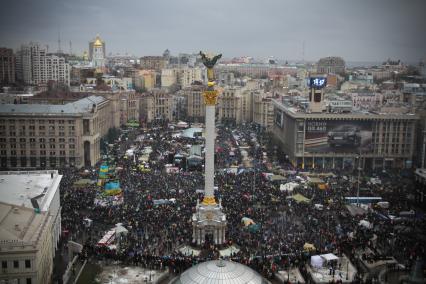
(365, 224)
(316, 261)
(288, 187)
(329, 257)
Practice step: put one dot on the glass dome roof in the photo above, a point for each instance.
(220, 271)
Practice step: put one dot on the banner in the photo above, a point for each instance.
(338, 136)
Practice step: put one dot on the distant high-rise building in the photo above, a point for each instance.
(34, 66)
(7, 66)
(334, 65)
(97, 53)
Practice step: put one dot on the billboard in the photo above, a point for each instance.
(338, 136)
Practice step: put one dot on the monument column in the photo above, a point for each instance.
(210, 97)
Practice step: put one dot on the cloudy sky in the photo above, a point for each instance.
(357, 30)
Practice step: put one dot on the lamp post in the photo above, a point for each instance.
(359, 173)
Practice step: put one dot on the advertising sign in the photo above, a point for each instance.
(317, 82)
(338, 136)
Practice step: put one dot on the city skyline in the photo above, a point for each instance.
(292, 30)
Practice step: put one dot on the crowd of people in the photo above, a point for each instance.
(156, 231)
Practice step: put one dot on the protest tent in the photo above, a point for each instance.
(308, 247)
(365, 224)
(299, 198)
(288, 187)
(247, 221)
(316, 261)
(329, 257)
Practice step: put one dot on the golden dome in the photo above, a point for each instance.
(98, 42)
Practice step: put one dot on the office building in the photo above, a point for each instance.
(35, 67)
(333, 65)
(384, 138)
(30, 225)
(51, 136)
(153, 62)
(7, 66)
(157, 105)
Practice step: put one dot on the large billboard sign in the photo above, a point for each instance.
(338, 136)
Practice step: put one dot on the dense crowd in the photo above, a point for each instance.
(155, 231)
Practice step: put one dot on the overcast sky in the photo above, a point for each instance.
(357, 30)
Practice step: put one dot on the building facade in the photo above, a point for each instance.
(35, 67)
(195, 103)
(333, 65)
(31, 226)
(153, 62)
(51, 136)
(339, 140)
(263, 110)
(7, 66)
(156, 105)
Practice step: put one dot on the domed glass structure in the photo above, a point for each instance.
(220, 271)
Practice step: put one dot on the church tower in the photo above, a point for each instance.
(97, 53)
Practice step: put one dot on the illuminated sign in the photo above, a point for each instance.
(317, 82)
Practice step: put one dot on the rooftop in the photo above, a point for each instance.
(78, 107)
(20, 226)
(40, 186)
(295, 110)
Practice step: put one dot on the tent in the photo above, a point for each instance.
(329, 257)
(247, 221)
(308, 247)
(182, 124)
(82, 182)
(365, 224)
(299, 198)
(315, 180)
(316, 261)
(120, 230)
(276, 178)
(288, 187)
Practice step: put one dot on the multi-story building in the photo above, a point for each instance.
(333, 65)
(338, 140)
(35, 67)
(30, 225)
(51, 136)
(169, 77)
(195, 107)
(230, 105)
(153, 62)
(366, 98)
(7, 66)
(157, 105)
(187, 76)
(263, 110)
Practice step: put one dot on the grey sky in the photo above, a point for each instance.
(357, 30)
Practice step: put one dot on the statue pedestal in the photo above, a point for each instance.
(208, 219)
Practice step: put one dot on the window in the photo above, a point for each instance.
(52, 146)
(62, 140)
(41, 127)
(4, 264)
(72, 146)
(15, 264)
(28, 281)
(42, 146)
(41, 140)
(51, 122)
(27, 263)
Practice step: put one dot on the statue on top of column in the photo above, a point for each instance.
(209, 62)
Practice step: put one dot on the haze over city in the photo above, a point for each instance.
(293, 30)
(227, 142)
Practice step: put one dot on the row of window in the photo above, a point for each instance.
(41, 140)
(34, 153)
(4, 264)
(33, 121)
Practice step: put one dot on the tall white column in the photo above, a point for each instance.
(209, 153)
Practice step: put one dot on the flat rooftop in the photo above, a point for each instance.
(74, 108)
(297, 111)
(20, 227)
(19, 187)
